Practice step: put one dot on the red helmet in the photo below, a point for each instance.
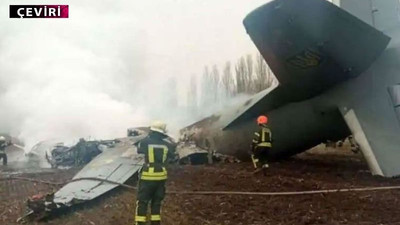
(262, 120)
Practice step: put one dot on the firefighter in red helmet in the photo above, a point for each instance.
(261, 145)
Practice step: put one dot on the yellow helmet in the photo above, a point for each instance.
(159, 126)
(2, 139)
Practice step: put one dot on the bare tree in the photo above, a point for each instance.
(263, 74)
(215, 83)
(228, 81)
(205, 87)
(270, 78)
(240, 70)
(249, 75)
(192, 94)
(260, 80)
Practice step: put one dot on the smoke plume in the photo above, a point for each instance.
(110, 66)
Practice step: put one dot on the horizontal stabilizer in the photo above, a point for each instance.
(312, 45)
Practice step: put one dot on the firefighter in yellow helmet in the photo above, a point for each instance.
(157, 148)
(3, 145)
(261, 145)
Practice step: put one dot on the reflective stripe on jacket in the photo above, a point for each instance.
(262, 138)
(156, 151)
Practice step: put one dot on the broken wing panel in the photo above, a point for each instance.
(312, 45)
(116, 164)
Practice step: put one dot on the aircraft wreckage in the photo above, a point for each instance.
(113, 163)
(338, 75)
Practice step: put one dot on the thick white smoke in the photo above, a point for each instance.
(72, 78)
(110, 65)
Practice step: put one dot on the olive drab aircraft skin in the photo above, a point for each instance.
(338, 67)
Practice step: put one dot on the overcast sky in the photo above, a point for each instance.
(107, 65)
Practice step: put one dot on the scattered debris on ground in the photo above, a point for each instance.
(190, 154)
(112, 167)
(114, 164)
(217, 157)
(78, 155)
(314, 170)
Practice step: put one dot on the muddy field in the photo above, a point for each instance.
(310, 171)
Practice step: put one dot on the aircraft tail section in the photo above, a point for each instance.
(312, 45)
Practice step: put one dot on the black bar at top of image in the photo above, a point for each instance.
(14, 10)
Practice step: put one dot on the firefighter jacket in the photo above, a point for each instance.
(157, 149)
(262, 139)
(3, 148)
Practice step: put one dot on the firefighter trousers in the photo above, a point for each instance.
(152, 192)
(262, 154)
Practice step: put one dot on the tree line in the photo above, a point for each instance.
(249, 75)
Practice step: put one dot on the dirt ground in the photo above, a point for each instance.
(310, 171)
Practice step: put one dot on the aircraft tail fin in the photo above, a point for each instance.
(313, 45)
(310, 46)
